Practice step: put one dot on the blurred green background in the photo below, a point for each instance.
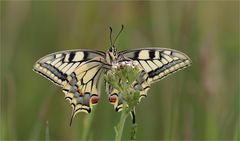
(199, 103)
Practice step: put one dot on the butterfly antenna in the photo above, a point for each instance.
(111, 35)
(118, 34)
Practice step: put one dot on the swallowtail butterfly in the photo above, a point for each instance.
(78, 72)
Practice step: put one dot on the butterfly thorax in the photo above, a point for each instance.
(111, 55)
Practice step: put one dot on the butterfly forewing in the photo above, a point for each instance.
(57, 66)
(157, 62)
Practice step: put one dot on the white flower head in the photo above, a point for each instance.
(124, 64)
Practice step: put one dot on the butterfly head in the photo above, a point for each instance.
(112, 55)
(113, 51)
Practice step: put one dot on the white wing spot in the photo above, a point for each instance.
(144, 54)
(166, 71)
(36, 66)
(58, 55)
(176, 66)
(157, 55)
(167, 52)
(66, 58)
(187, 62)
(175, 58)
(182, 64)
(161, 74)
(48, 73)
(172, 69)
(45, 70)
(55, 79)
(78, 56)
(181, 56)
(59, 81)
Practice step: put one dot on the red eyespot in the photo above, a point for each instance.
(94, 99)
(113, 99)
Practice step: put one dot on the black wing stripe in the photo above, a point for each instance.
(136, 54)
(54, 71)
(46, 76)
(71, 56)
(86, 55)
(162, 68)
(151, 54)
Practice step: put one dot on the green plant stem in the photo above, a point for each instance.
(120, 126)
(87, 125)
(126, 73)
(133, 132)
(47, 136)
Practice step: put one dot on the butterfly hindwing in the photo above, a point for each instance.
(82, 89)
(57, 66)
(140, 84)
